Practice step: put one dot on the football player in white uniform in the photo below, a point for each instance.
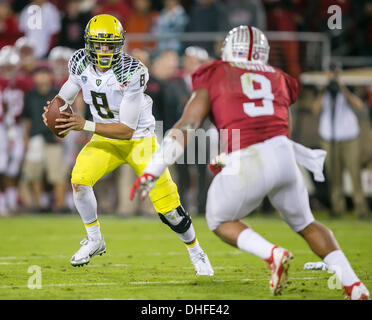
(113, 85)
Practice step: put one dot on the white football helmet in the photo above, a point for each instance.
(24, 42)
(197, 52)
(9, 56)
(246, 43)
(60, 53)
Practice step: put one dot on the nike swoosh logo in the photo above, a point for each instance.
(92, 254)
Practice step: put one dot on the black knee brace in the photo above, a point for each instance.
(185, 223)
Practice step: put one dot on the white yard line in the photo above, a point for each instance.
(64, 285)
(80, 284)
(107, 265)
(213, 280)
(160, 282)
(140, 283)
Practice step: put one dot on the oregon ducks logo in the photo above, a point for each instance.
(105, 35)
(98, 82)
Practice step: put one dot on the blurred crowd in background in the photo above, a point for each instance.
(35, 166)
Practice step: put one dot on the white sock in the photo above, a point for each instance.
(194, 248)
(337, 262)
(251, 242)
(86, 204)
(188, 236)
(93, 231)
(12, 198)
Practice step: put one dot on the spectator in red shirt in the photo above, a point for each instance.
(140, 21)
(8, 25)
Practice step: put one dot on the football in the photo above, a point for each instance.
(55, 107)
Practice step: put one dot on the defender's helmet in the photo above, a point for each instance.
(104, 29)
(9, 62)
(60, 53)
(245, 43)
(24, 43)
(9, 57)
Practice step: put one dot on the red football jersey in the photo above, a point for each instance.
(13, 95)
(249, 101)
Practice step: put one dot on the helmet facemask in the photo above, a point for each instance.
(104, 40)
(104, 54)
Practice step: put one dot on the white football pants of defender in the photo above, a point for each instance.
(16, 151)
(3, 150)
(265, 169)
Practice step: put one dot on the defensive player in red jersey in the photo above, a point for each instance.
(251, 100)
(13, 86)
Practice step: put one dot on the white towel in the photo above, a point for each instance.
(311, 159)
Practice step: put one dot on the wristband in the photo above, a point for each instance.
(89, 126)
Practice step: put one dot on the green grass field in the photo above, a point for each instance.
(146, 260)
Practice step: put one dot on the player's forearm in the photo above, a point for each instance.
(183, 131)
(167, 154)
(173, 146)
(114, 131)
(69, 91)
(195, 112)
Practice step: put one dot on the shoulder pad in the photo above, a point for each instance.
(126, 68)
(78, 62)
(208, 66)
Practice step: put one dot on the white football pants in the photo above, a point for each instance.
(264, 169)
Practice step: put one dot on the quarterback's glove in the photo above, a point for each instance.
(143, 185)
(218, 163)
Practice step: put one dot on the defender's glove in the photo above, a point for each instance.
(218, 163)
(143, 185)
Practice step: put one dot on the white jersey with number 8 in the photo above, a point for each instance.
(110, 94)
